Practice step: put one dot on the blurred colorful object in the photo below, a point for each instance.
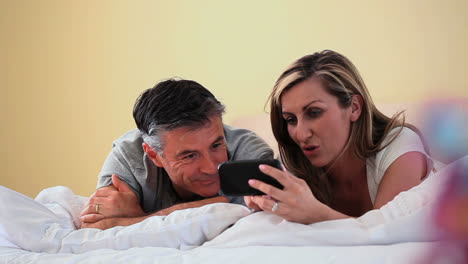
(451, 218)
(447, 130)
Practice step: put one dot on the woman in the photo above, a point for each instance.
(347, 157)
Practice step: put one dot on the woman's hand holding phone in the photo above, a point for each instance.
(295, 202)
(234, 176)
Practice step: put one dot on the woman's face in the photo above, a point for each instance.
(315, 121)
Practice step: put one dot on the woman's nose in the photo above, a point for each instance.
(303, 131)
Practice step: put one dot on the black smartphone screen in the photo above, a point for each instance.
(234, 176)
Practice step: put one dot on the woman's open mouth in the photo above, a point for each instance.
(310, 150)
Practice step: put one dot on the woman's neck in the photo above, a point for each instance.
(348, 170)
(348, 183)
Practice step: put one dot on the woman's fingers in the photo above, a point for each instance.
(279, 201)
(250, 203)
(282, 176)
(267, 189)
(266, 204)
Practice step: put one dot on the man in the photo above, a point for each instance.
(170, 162)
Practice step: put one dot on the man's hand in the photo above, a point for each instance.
(116, 200)
(106, 223)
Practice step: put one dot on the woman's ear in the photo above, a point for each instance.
(356, 107)
(153, 155)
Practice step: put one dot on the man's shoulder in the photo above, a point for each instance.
(129, 141)
(245, 144)
(130, 136)
(233, 132)
(237, 136)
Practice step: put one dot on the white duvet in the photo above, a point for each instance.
(43, 230)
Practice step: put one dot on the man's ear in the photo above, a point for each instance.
(153, 155)
(356, 107)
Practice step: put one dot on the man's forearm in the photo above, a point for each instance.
(126, 221)
(195, 204)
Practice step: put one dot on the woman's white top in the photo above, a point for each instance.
(406, 141)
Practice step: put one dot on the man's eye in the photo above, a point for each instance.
(217, 145)
(189, 156)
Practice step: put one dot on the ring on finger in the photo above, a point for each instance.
(97, 207)
(274, 207)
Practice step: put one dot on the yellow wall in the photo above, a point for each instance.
(70, 71)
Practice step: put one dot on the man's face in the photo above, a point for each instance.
(191, 158)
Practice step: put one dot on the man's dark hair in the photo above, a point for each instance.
(172, 104)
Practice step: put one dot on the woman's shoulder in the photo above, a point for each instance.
(402, 137)
(399, 141)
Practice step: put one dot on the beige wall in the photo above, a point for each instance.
(71, 70)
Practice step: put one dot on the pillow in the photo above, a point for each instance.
(50, 227)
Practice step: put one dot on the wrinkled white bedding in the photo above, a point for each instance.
(44, 231)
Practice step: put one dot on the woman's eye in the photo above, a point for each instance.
(290, 120)
(314, 112)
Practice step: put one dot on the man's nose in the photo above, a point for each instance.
(209, 165)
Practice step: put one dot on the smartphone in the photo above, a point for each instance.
(234, 176)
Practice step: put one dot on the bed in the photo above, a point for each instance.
(44, 230)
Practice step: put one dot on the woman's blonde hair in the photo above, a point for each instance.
(341, 79)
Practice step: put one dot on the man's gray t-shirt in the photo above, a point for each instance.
(151, 184)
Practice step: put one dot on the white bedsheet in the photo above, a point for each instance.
(44, 231)
(396, 253)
